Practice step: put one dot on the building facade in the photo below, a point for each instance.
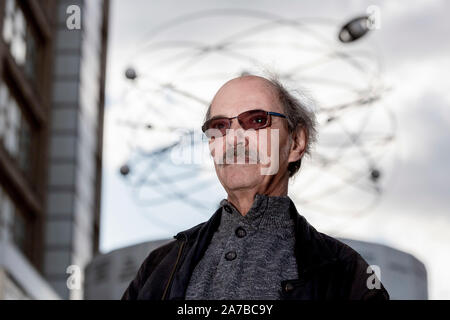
(52, 79)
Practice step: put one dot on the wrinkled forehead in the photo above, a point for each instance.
(243, 94)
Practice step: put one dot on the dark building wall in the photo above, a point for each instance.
(51, 124)
(25, 107)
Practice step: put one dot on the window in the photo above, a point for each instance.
(18, 231)
(12, 222)
(15, 132)
(18, 36)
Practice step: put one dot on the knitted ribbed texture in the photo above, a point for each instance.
(251, 266)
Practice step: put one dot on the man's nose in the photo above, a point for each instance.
(235, 134)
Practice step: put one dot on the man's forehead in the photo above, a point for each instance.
(245, 93)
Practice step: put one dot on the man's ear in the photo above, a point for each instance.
(298, 145)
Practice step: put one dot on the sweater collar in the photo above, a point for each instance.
(270, 213)
(311, 247)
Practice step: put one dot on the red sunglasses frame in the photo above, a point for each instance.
(268, 123)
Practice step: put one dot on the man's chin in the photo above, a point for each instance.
(240, 176)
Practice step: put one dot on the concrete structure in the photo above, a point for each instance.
(51, 122)
(108, 275)
(403, 275)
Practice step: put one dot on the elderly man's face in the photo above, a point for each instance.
(235, 97)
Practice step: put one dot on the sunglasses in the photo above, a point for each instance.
(253, 119)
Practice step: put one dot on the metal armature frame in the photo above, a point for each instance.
(364, 178)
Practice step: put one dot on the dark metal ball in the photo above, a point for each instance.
(375, 174)
(130, 74)
(124, 170)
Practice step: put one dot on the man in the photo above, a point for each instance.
(256, 245)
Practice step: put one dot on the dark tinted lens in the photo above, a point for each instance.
(221, 124)
(254, 119)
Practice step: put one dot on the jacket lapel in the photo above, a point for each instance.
(197, 241)
(312, 254)
(311, 251)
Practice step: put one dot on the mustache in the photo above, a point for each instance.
(241, 153)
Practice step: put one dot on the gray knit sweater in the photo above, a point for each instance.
(249, 255)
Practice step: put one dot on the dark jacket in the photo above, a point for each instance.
(328, 269)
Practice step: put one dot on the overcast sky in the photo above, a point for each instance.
(412, 43)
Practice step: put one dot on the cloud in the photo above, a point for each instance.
(412, 31)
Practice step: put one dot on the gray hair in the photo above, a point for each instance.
(298, 115)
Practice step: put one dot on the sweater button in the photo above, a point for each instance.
(288, 287)
(227, 208)
(240, 232)
(231, 255)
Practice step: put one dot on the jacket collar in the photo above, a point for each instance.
(311, 250)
